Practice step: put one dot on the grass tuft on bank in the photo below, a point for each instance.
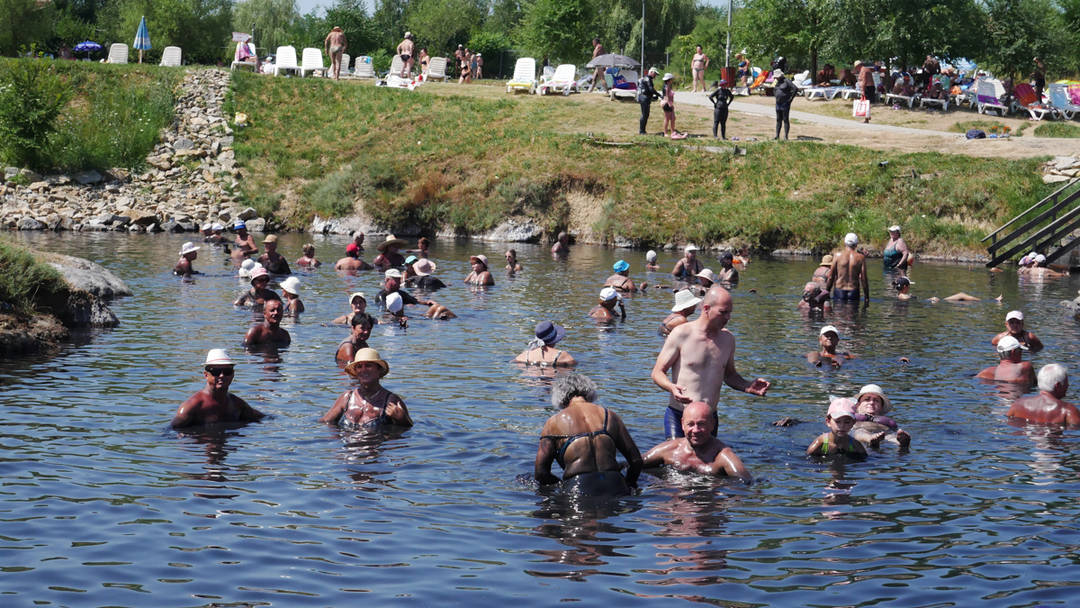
(25, 282)
(111, 118)
(445, 161)
(1057, 129)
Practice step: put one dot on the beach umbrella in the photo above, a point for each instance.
(142, 38)
(87, 46)
(612, 60)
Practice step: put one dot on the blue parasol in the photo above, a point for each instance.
(87, 46)
(142, 38)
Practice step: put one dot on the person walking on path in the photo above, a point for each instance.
(720, 99)
(335, 45)
(646, 95)
(698, 65)
(785, 92)
(598, 72)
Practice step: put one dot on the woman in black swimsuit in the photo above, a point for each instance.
(369, 405)
(541, 350)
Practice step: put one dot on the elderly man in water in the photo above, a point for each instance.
(605, 310)
(583, 437)
(847, 276)
(701, 357)
(273, 261)
(214, 403)
(1014, 326)
(1048, 407)
(270, 331)
(245, 243)
(188, 252)
(698, 451)
(1011, 368)
(352, 260)
(828, 341)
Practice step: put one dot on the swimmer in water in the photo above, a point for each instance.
(308, 259)
(562, 245)
(512, 265)
(698, 451)
(583, 438)
(903, 288)
(270, 330)
(728, 275)
(352, 260)
(821, 273)
(688, 266)
(358, 303)
(686, 304)
(188, 252)
(650, 261)
(259, 294)
(273, 261)
(815, 298)
(421, 272)
(621, 281)
(1014, 326)
(956, 297)
(1011, 368)
(214, 403)
(828, 339)
(605, 310)
(357, 339)
(480, 274)
(871, 423)
(541, 350)
(216, 238)
(293, 305)
(840, 420)
(245, 243)
(1048, 407)
(368, 406)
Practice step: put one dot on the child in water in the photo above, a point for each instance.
(840, 420)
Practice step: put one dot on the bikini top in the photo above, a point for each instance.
(358, 404)
(561, 453)
(541, 362)
(839, 449)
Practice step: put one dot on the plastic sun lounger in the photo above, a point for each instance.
(236, 63)
(989, 96)
(1059, 98)
(822, 93)
(437, 68)
(524, 78)
(363, 68)
(396, 67)
(172, 56)
(1027, 100)
(848, 93)
(285, 60)
(562, 80)
(345, 71)
(118, 53)
(909, 100)
(614, 92)
(942, 103)
(312, 61)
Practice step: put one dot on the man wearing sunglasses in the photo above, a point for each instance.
(214, 403)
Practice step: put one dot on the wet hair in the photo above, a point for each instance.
(308, 247)
(570, 386)
(901, 282)
(512, 252)
(424, 242)
(727, 256)
(1051, 375)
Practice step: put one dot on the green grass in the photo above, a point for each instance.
(988, 126)
(1057, 129)
(25, 283)
(440, 160)
(114, 115)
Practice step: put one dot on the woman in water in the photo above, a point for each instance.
(368, 406)
(541, 350)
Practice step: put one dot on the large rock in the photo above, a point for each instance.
(248, 213)
(256, 224)
(29, 223)
(87, 178)
(88, 276)
(349, 224)
(515, 230)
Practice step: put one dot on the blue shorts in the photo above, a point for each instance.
(673, 423)
(846, 294)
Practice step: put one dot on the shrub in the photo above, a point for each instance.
(24, 281)
(31, 97)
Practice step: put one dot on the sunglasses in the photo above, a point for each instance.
(219, 371)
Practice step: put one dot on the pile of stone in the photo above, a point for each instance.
(192, 178)
(1061, 169)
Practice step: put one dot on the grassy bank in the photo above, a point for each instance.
(112, 116)
(26, 285)
(438, 160)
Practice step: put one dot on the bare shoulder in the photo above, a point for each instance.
(663, 451)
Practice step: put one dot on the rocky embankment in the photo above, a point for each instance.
(1061, 169)
(192, 178)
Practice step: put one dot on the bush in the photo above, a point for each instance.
(24, 281)
(31, 97)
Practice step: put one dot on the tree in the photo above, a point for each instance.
(799, 30)
(440, 25)
(24, 23)
(200, 27)
(710, 31)
(359, 28)
(905, 31)
(389, 18)
(558, 29)
(272, 20)
(664, 19)
(1017, 31)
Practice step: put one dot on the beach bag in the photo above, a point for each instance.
(975, 134)
(861, 108)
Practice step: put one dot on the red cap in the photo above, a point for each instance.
(351, 249)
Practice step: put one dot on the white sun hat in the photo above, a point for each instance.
(188, 247)
(291, 285)
(218, 356)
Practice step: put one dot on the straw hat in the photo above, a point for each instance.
(391, 241)
(218, 357)
(826, 260)
(187, 248)
(367, 355)
(270, 238)
(708, 275)
(873, 389)
(291, 285)
(684, 299)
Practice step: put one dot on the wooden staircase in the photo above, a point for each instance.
(1045, 227)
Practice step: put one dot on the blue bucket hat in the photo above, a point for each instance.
(621, 266)
(410, 259)
(239, 225)
(549, 333)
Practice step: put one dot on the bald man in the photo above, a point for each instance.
(698, 450)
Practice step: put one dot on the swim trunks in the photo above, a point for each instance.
(845, 294)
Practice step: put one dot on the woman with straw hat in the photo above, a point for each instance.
(541, 350)
(389, 256)
(368, 406)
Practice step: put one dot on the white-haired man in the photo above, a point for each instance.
(1048, 407)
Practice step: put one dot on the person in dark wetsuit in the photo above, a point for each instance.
(646, 95)
(369, 406)
(840, 420)
(583, 438)
(784, 92)
(214, 403)
(721, 97)
(356, 340)
(541, 350)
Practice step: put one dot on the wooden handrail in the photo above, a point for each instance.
(1030, 209)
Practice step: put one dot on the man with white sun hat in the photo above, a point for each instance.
(214, 404)
(188, 252)
(605, 309)
(1014, 326)
(685, 305)
(848, 274)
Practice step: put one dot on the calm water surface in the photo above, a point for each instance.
(102, 504)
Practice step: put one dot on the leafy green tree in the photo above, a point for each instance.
(710, 31)
(664, 19)
(558, 29)
(31, 97)
(506, 16)
(905, 31)
(389, 18)
(273, 21)
(491, 45)
(799, 30)
(441, 25)
(22, 24)
(359, 28)
(1017, 31)
(200, 27)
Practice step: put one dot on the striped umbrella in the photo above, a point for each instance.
(142, 38)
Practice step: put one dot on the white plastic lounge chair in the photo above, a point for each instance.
(524, 78)
(118, 53)
(1025, 100)
(1059, 98)
(285, 60)
(848, 93)
(363, 67)
(990, 95)
(437, 68)
(615, 92)
(562, 80)
(172, 56)
(396, 67)
(941, 103)
(237, 63)
(345, 71)
(822, 93)
(312, 61)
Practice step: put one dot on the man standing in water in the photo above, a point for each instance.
(214, 403)
(699, 451)
(271, 331)
(1014, 326)
(1011, 368)
(848, 273)
(1048, 406)
(334, 45)
(701, 357)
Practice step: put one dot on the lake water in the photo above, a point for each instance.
(102, 504)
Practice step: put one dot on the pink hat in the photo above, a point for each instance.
(840, 407)
(257, 272)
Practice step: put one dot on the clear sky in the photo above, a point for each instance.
(305, 6)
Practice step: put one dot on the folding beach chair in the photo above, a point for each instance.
(363, 68)
(437, 68)
(1059, 98)
(238, 63)
(1025, 99)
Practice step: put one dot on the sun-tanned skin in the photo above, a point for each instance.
(1011, 369)
(1015, 328)
(829, 341)
(590, 454)
(838, 439)
(361, 331)
(270, 331)
(848, 273)
(367, 375)
(1047, 407)
(245, 243)
(214, 403)
(699, 451)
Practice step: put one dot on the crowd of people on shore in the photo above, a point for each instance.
(696, 361)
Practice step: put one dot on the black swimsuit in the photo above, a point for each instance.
(561, 453)
(382, 419)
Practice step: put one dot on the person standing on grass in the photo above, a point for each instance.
(698, 65)
(335, 45)
(646, 95)
(784, 92)
(668, 106)
(407, 51)
(720, 98)
(466, 75)
(479, 65)
(598, 72)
